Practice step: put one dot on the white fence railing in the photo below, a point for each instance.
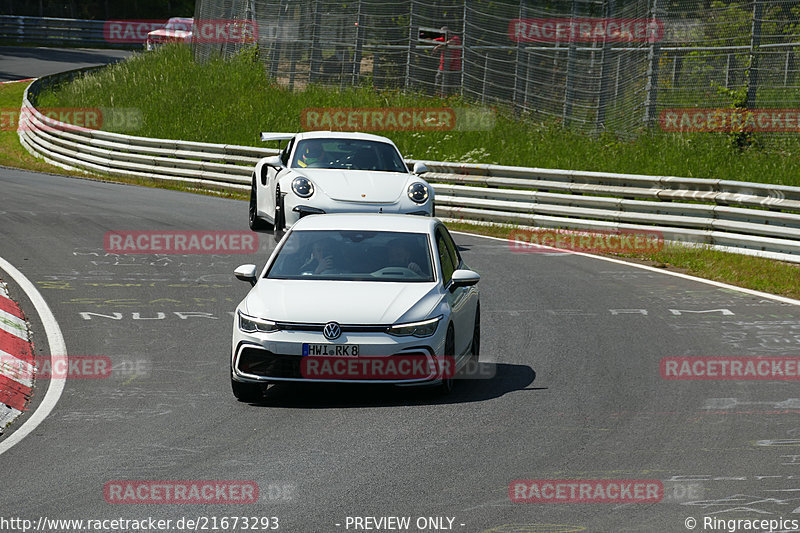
(211, 166)
(57, 31)
(750, 218)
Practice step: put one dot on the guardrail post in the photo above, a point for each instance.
(651, 89)
(786, 70)
(605, 74)
(359, 45)
(316, 53)
(525, 103)
(569, 92)
(464, 37)
(412, 41)
(485, 76)
(292, 47)
(727, 71)
(275, 49)
(517, 64)
(755, 42)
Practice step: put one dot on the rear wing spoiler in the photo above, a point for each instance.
(267, 136)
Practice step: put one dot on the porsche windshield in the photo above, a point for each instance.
(179, 24)
(350, 154)
(354, 256)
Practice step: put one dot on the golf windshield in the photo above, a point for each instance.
(354, 256)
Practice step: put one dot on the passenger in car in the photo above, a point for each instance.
(401, 255)
(323, 259)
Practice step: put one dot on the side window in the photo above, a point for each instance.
(452, 249)
(445, 258)
(286, 152)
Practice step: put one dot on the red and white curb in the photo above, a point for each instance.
(16, 360)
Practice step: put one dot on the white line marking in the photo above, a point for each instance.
(13, 325)
(58, 351)
(719, 284)
(7, 414)
(14, 368)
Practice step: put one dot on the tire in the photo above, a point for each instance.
(247, 392)
(446, 386)
(256, 222)
(280, 217)
(476, 336)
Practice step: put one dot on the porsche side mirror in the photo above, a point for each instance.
(420, 168)
(274, 161)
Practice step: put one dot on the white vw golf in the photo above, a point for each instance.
(334, 172)
(357, 298)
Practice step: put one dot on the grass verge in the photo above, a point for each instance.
(232, 101)
(13, 154)
(749, 272)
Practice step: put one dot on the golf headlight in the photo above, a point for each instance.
(418, 192)
(251, 324)
(303, 187)
(426, 328)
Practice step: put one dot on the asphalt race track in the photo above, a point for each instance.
(21, 62)
(577, 392)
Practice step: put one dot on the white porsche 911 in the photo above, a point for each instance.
(357, 298)
(333, 172)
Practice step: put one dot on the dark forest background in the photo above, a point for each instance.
(99, 9)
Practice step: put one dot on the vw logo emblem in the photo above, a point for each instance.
(332, 331)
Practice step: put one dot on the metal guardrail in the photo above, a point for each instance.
(752, 218)
(211, 166)
(57, 31)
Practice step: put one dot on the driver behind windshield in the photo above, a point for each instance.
(323, 258)
(311, 155)
(400, 254)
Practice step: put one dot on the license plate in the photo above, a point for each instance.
(331, 350)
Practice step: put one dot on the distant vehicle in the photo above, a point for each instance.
(177, 30)
(334, 172)
(374, 289)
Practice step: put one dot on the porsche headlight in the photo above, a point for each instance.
(303, 187)
(418, 192)
(250, 324)
(426, 328)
